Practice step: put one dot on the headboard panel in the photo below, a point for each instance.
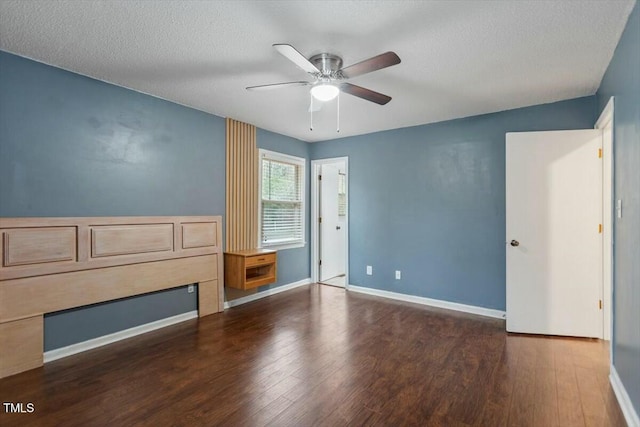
(52, 264)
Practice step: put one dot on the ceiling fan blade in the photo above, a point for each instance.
(278, 85)
(296, 57)
(379, 62)
(365, 93)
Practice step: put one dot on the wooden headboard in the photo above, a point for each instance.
(53, 264)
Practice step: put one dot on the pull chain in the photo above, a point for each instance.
(311, 113)
(338, 115)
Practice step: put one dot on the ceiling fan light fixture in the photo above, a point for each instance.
(324, 92)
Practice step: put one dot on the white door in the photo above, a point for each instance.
(554, 240)
(332, 229)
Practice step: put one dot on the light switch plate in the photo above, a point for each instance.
(619, 208)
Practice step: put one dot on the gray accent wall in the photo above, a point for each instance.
(622, 80)
(430, 201)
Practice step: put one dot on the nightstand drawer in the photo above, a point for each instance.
(260, 259)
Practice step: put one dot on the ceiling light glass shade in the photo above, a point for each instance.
(324, 92)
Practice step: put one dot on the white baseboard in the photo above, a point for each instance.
(630, 414)
(488, 312)
(59, 353)
(268, 292)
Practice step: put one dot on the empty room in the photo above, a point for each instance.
(297, 213)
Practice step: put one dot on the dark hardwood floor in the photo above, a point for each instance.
(318, 355)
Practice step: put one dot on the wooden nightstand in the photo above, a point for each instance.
(250, 268)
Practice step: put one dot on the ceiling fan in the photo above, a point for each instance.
(329, 76)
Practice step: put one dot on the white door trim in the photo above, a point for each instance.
(606, 118)
(606, 115)
(315, 214)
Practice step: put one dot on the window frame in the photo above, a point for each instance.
(302, 177)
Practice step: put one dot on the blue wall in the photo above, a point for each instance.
(293, 264)
(622, 80)
(84, 323)
(430, 201)
(74, 146)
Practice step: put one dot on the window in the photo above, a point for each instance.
(282, 181)
(342, 194)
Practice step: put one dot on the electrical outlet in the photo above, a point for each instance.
(398, 275)
(190, 289)
(369, 270)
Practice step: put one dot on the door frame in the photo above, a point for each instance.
(606, 117)
(315, 214)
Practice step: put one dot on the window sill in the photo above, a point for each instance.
(281, 246)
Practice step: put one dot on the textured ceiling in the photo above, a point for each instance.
(459, 58)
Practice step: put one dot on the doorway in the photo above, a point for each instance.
(330, 221)
(605, 204)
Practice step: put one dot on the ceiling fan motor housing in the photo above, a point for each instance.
(327, 63)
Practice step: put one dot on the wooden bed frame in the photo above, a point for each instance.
(53, 264)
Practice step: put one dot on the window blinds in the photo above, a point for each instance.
(282, 205)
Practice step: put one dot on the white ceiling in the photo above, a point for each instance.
(459, 58)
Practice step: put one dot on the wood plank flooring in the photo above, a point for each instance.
(318, 355)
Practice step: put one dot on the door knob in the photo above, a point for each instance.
(337, 227)
(515, 243)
